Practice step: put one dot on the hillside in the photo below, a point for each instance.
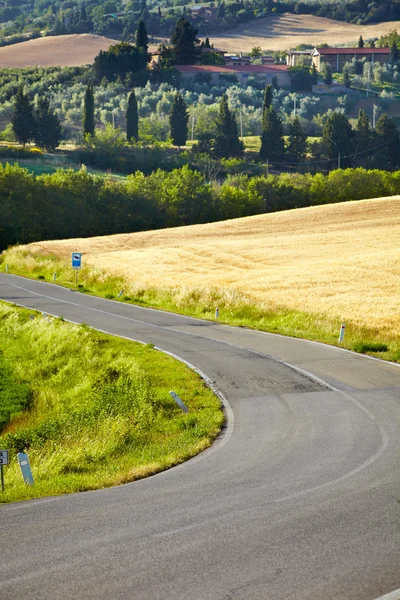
(341, 260)
(285, 31)
(276, 33)
(62, 50)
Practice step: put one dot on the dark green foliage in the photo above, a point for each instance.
(267, 100)
(72, 204)
(394, 53)
(338, 137)
(120, 61)
(297, 146)
(360, 42)
(272, 142)
(227, 142)
(88, 112)
(22, 119)
(132, 118)
(364, 138)
(48, 131)
(387, 136)
(364, 347)
(142, 39)
(15, 396)
(346, 77)
(301, 78)
(178, 121)
(314, 75)
(327, 74)
(185, 43)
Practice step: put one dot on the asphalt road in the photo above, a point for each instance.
(298, 498)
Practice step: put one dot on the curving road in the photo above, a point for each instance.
(299, 497)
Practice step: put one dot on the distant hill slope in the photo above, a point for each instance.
(62, 50)
(285, 31)
(275, 33)
(341, 260)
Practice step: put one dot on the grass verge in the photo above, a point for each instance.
(234, 309)
(93, 410)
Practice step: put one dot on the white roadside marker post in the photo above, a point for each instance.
(6, 268)
(25, 468)
(217, 312)
(54, 276)
(341, 334)
(179, 402)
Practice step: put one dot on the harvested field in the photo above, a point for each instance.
(58, 51)
(282, 32)
(340, 260)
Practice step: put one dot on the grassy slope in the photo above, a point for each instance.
(100, 411)
(299, 272)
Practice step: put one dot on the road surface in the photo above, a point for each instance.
(298, 498)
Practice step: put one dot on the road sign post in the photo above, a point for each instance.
(3, 461)
(76, 264)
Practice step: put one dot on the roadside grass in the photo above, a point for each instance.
(50, 165)
(99, 411)
(234, 308)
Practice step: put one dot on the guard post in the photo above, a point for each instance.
(3, 461)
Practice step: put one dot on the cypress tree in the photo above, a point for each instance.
(142, 39)
(338, 137)
(267, 101)
(297, 145)
(361, 42)
(207, 43)
(48, 131)
(22, 119)
(387, 133)
(178, 121)
(314, 75)
(272, 142)
(394, 53)
(132, 118)
(346, 77)
(185, 42)
(88, 112)
(327, 74)
(227, 142)
(364, 138)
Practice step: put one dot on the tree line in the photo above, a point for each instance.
(71, 204)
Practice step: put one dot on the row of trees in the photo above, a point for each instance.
(72, 204)
(35, 122)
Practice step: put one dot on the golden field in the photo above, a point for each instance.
(339, 260)
(279, 32)
(282, 32)
(59, 51)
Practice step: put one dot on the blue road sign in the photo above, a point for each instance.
(76, 260)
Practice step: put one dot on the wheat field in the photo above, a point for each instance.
(339, 260)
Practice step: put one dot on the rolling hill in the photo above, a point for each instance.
(339, 260)
(279, 32)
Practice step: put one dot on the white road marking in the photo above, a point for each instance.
(395, 595)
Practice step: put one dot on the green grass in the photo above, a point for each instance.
(93, 410)
(234, 309)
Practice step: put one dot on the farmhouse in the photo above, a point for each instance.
(242, 72)
(337, 57)
(294, 57)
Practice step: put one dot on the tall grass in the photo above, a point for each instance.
(234, 307)
(99, 411)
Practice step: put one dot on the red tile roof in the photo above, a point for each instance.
(232, 68)
(324, 51)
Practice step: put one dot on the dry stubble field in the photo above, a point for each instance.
(341, 260)
(279, 32)
(282, 32)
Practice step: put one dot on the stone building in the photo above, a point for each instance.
(337, 57)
